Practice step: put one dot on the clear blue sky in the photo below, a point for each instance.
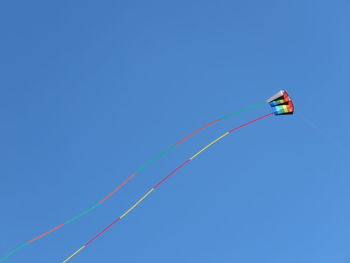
(90, 90)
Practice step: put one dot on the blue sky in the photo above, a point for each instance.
(90, 90)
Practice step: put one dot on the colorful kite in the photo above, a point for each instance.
(281, 104)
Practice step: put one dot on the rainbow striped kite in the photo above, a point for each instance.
(280, 103)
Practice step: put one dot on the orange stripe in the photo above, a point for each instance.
(53, 229)
(115, 190)
(193, 133)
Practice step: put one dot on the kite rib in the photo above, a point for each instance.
(132, 176)
(162, 181)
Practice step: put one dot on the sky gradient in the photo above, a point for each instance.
(92, 90)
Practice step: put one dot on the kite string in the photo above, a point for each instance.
(162, 181)
(153, 159)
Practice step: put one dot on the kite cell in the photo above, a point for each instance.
(281, 103)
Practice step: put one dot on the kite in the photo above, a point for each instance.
(280, 103)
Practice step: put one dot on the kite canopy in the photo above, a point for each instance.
(281, 103)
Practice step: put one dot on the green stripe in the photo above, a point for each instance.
(229, 115)
(154, 158)
(83, 213)
(13, 252)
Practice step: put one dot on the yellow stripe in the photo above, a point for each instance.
(210, 144)
(76, 252)
(131, 208)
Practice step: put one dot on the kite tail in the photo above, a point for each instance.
(153, 159)
(13, 252)
(160, 182)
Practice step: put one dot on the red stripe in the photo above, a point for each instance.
(53, 229)
(250, 122)
(115, 190)
(104, 230)
(165, 178)
(193, 133)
